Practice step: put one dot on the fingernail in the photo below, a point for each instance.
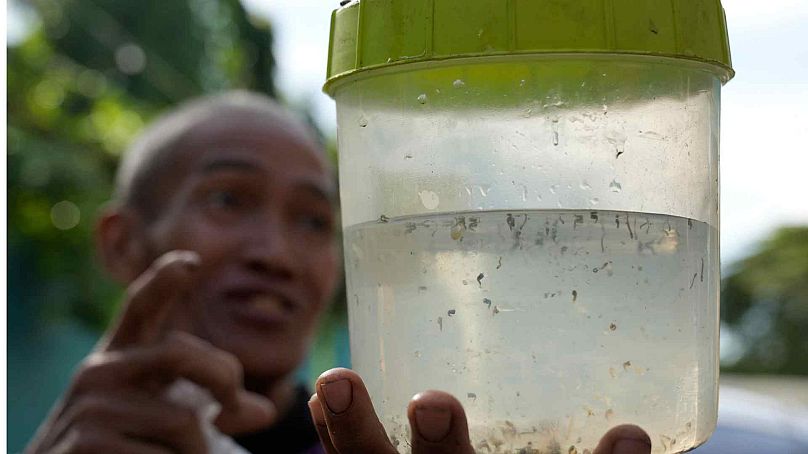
(338, 395)
(631, 446)
(433, 423)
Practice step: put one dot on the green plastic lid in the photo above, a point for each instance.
(373, 34)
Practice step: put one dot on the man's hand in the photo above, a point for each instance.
(347, 424)
(116, 400)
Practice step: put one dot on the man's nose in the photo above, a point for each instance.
(267, 247)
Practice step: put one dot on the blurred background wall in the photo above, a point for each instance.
(84, 76)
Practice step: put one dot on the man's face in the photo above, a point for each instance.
(257, 203)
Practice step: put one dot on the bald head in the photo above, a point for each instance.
(160, 149)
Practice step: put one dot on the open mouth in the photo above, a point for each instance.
(260, 307)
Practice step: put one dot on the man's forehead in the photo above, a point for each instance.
(176, 145)
(255, 126)
(254, 132)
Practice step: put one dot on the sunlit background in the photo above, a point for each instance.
(85, 76)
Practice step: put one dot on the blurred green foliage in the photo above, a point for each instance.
(80, 87)
(88, 76)
(764, 302)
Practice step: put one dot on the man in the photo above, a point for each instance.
(222, 229)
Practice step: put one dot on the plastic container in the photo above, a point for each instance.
(530, 209)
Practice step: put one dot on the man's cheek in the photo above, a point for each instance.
(332, 271)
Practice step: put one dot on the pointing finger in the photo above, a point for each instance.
(150, 299)
(181, 355)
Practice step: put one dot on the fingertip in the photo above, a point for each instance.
(438, 417)
(336, 389)
(175, 269)
(433, 398)
(171, 268)
(624, 439)
(254, 412)
(337, 394)
(263, 408)
(337, 373)
(150, 297)
(190, 259)
(349, 423)
(433, 424)
(631, 446)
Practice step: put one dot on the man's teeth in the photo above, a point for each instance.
(265, 302)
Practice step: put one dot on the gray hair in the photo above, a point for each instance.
(154, 151)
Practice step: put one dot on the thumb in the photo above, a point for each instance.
(625, 439)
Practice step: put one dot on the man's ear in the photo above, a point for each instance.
(122, 244)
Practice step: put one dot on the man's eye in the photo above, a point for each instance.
(316, 223)
(223, 199)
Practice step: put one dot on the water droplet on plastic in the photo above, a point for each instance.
(555, 131)
(363, 122)
(615, 186)
(522, 83)
(429, 199)
(554, 104)
(553, 188)
(585, 186)
(594, 201)
(422, 98)
(651, 135)
(458, 83)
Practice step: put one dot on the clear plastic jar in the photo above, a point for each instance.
(537, 235)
